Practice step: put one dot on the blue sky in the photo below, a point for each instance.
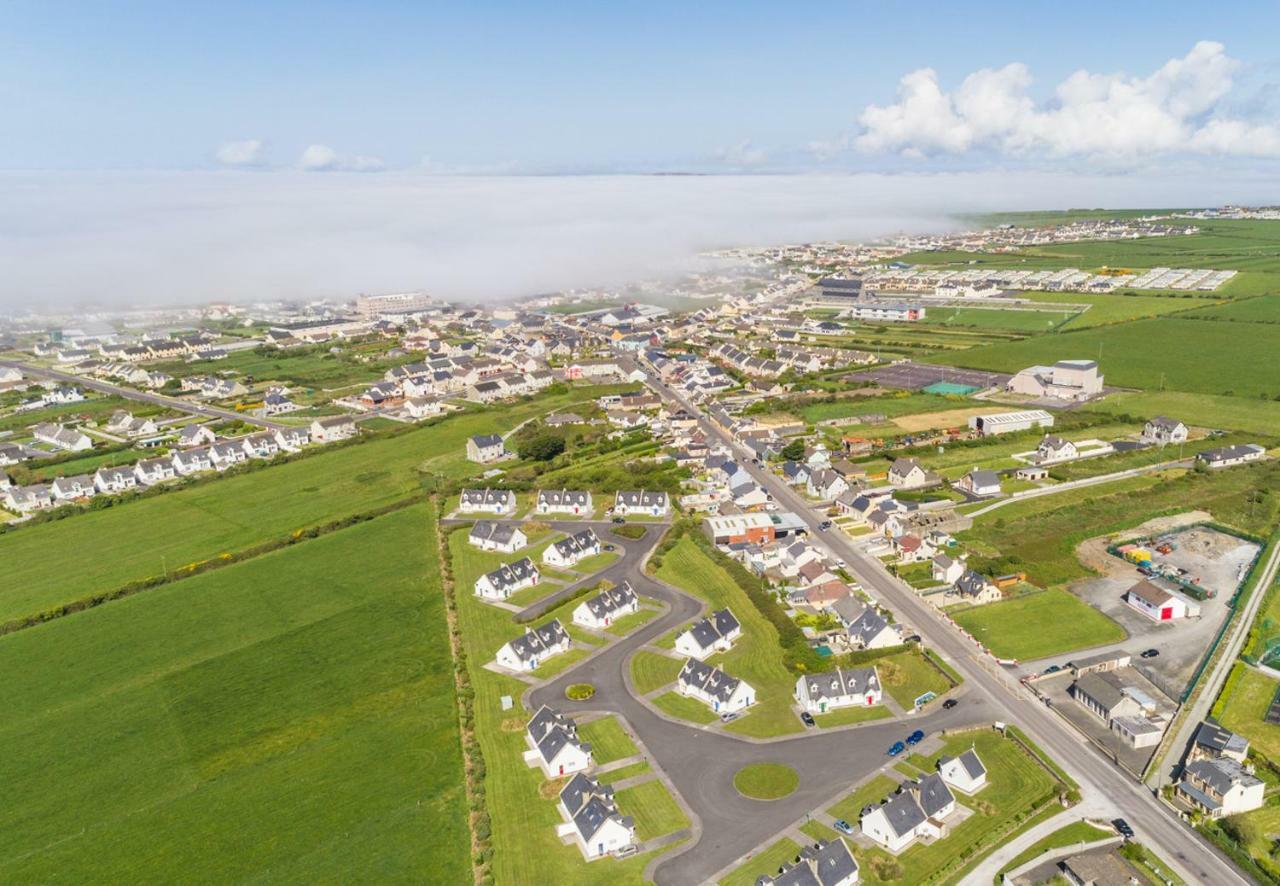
(569, 87)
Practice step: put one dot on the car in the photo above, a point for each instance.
(1122, 828)
(807, 719)
(916, 737)
(609, 548)
(619, 520)
(824, 525)
(628, 850)
(1053, 669)
(729, 716)
(843, 826)
(1150, 653)
(949, 704)
(840, 564)
(896, 748)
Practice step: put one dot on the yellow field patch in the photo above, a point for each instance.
(948, 418)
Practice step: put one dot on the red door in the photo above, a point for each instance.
(1166, 613)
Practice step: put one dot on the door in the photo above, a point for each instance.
(562, 769)
(822, 707)
(1166, 613)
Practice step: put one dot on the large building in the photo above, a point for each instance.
(734, 528)
(395, 303)
(996, 423)
(1064, 380)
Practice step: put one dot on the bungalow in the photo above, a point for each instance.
(504, 537)
(908, 473)
(554, 744)
(1227, 456)
(887, 523)
(1220, 787)
(1158, 604)
(1033, 473)
(714, 687)
(195, 435)
(966, 773)
(979, 483)
(653, 504)
(915, 810)
(535, 646)
(1162, 431)
(856, 687)
(328, 430)
(114, 479)
(912, 548)
(568, 551)
(828, 593)
(292, 439)
(564, 501)
(605, 608)
(487, 501)
(1053, 448)
(61, 437)
(871, 630)
(504, 581)
(946, 569)
(69, 488)
(486, 448)
(261, 444)
(192, 461)
(150, 471)
(825, 863)
(715, 633)
(226, 454)
(124, 424)
(593, 820)
(25, 499)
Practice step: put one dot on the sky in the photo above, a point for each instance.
(138, 138)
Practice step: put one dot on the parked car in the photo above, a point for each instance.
(807, 719)
(729, 716)
(1122, 828)
(626, 851)
(824, 525)
(896, 748)
(619, 520)
(840, 564)
(608, 547)
(843, 826)
(1150, 653)
(916, 737)
(1053, 669)
(950, 703)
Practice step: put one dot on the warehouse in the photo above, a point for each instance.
(737, 528)
(1010, 422)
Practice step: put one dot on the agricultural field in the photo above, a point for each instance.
(888, 405)
(91, 409)
(1111, 308)
(1198, 410)
(287, 718)
(1014, 628)
(1243, 704)
(1265, 309)
(1010, 320)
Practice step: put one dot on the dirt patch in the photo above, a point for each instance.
(1093, 552)
(948, 418)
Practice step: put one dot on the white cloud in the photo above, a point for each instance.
(249, 152)
(743, 155)
(322, 158)
(1178, 109)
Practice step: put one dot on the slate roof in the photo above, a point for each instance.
(613, 600)
(1215, 738)
(903, 813)
(539, 640)
(498, 533)
(642, 499)
(484, 441)
(821, 864)
(933, 794)
(1221, 774)
(577, 544)
(868, 626)
(485, 498)
(712, 628)
(510, 574)
(564, 498)
(711, 681)
(840, 682)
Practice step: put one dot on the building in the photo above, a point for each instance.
(1161, 431)
(1227, 456)
(908, 473)
(490, 536)
(755, 528)
(568, 551)
(1054, 449)
(975, 588)
(332, 429)
(1010, 422)
(652, 504)
(373, 306)
(487, 501)
(592, 818)
(602, 610)
(946, 569)
(486, 448)
(111, 480)
(825, 863)
(1158, 604)
(1127, 707)
(504, 581)
(535, 646)
(979, 483)
(1212, 742)
(715, 633)
(877, 311)
(1220, 787)
(916, 810)
(554, 745)
(1065, 380)
(966, 773)
(62, 437)
(713, 687)
(856, 687)
(564, 501)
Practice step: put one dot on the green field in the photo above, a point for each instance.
(756, 657)
(850, 807)
(846, 716)
(765, 781)
(289, 718)
(907, 675)
(1029, 321)
(890, 406)
(1111, 308)
(95, 407)
(1242, 706)
(306, 367)
(1015, 628)
(1265, 309)
(650, 671)
(1199, 410)
(655, 811)
(682, 707)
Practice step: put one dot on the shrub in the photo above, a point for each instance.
(579, 691)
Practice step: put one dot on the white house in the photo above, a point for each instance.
(114, 479)
(1053, 448)
(714, 687)
(1064, 380)
(486, 448)
(966, 773)
(261, 444)
(946, 569)
(150, 471)
(60, 437)
(292, 439)
(490, 536)
(195, 435)
(535, 646)
(592, 818)
(192, 461)
(825, 863)
(605, 608)
(1161, 431)
(328, 430)
(1158, 604)
(70, 488)
(504, 581)
(715, 633)
(908, 473)
(654, 504)
(564, 501)
(554, 744)
(226, 454)
(917, 809)
(979, 483)
(826, 484)
(1220, 787)
(487, 501)
(1227, 456)
(856, 687)
(568, 551)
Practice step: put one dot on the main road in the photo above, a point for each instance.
(1191, 857)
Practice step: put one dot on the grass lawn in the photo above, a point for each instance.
(629, 623)
(889, 405)
(684, 708)
(850, 808)
(1016, 628)
(765, 781)
(654, 809)
(287, 718)
(609, 741)
(766, 862)
(756, 657)
(1070, 835)
(994, 318)
(845, 716)
(650, 671)
(631, 770)
(1202, 410)
(906, 676)
(1242, 706)
(593, 564)
(558, 664)
(818, 831)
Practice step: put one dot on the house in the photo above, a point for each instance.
(25, 499)
(564, 501)
(911, 548)
(195, 435)
(150, 471)
(592, 818)
(1064, 380)
(825, 863)
(329, 430)
(1161, 431)
(1120, 699)
(490, 536)
(826, 484)
(487, 501)
(1158, 604)
(795, 473)
(422, 407)
(946, 569)
(855, 687)
(1228, 456)
(653, 504)
(871, 630)
(278, 404)
(714, 687)
(70, 488)
(915, 811)
(828, 593)
(108, 480)
(123, 424)
(486, 448)
(260, 444)
(292, 439)
(908, 473)
(1220, 787)
(554, 744)
(568, 551)
(966, 773)
(192, 461)
(1053, 448)
(1033, 473)
(226, 454)
(605, 608)
(715, 633)
(504, 581)
(979, 483)
(975, 588)
(535, 646)
(61, 437)
(1212, 742)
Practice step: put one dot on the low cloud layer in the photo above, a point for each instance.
(322, 158)
(249, 152)
(149, 238)
(1181, 108)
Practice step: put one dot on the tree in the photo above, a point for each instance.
(542, 447)
(793, 451)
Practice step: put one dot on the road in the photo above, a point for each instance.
(1156, 825)
(154, 399)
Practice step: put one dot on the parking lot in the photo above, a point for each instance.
(915, 376)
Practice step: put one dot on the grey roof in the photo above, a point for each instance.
(972, 764)
(712, 628)
(564, 497)
(903, 813)
(578, 543)
(1163, 421)
(971, 583)
(498, 533)
(551, 731)
(837, 683)
(1227, 453)
(933, 794)
(510, 574)
(539, 640)
(487, 497)
(1104, 688)
(642, 499)
(1221, 774)
(848, 609)
(1053, 441)
(868, 626)
(1215, 738)
(902, 466)
(712, 681)
(613, 600)
(982, 477)
(590, 804)
(823, 864)
(486, 440)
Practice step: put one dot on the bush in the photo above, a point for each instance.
(579, 691)
(542, 447)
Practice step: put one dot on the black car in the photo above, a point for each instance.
(1150, 653)
(807, 719)
(825, 524)
(1122, 828)
(950, 703)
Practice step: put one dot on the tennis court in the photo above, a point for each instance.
(911, 376)
(950, 387)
